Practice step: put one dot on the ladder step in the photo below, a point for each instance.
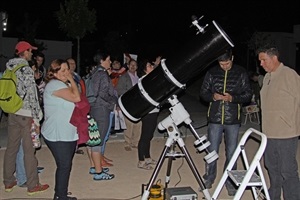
(237, 177)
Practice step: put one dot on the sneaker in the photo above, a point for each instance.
(150, 161)
(103, 176)
(144, 165)
(9, 188)
(208, 184)
(231, 192)
(93, 170)
(37, 189)
(23, 185)
(40, 169)
(79, 151)
(68, 198)
(113, 135)
(120, 132)
(127, 148)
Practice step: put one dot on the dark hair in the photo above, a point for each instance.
(226, 56)
(142, 67)
(55, 66)
(40, 54)
(99, 55)
(33, 63)
(271, 50)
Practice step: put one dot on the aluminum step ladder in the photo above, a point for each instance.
(251, 175)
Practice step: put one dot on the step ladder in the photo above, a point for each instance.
(251, 175)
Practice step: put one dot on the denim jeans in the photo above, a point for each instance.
(63, 153)
(111, 116)
(281, 163)
(215, 134)
(20, 167)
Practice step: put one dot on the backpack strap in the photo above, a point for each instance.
(20, 66)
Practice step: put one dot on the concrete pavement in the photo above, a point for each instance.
(129, 179)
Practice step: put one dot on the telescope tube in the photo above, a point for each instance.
(172, 74)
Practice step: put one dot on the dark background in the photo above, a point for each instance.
(153, 28)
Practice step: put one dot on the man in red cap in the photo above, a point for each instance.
(20, 123)
(23, 46)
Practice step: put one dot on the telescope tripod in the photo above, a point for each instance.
(178, 115)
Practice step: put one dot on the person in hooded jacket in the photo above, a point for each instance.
(226, 87)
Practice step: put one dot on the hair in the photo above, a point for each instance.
(33, 63)
(142, 67)
(99, 55)
(270, 50)
(55, 66)
(226, 56)
(40, 54)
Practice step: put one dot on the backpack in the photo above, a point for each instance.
(88, 80)
(10, 101)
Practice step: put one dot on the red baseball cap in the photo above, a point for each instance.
(23, 46)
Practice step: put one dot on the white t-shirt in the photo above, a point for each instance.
(58, 112)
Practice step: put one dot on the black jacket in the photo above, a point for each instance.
(236, 83)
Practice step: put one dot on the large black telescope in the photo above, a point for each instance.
(172, 74)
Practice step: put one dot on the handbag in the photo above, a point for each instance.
(94, 134)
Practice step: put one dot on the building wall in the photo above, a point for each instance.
(55, 49)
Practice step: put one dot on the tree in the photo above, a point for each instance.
(76, 20)
(258, 39)
(27, 31)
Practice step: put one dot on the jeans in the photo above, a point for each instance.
(20, 167)
(215, 134)
(111, 116)
(281, 163)
(63, 153)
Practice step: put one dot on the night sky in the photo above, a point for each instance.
(164, 23)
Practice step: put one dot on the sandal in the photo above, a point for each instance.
(103, 176)
(144, 165)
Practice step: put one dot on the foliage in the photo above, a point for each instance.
(115, 44)
(76, 19)
(259, 39)
(28, 30)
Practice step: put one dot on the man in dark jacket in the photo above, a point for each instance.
(226, 87)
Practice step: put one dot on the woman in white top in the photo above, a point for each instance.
(60, 95)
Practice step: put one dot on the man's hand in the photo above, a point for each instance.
(222, 97)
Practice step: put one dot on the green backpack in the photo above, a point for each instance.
(10, 101)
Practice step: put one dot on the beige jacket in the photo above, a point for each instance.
(280, 103)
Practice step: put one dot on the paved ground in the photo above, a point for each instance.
(129, 179)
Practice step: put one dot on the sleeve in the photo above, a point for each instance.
(32, 95)
(206, 92)
(246, 92)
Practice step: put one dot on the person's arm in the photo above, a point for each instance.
(246, 94)
(206, 92)
(32, 95)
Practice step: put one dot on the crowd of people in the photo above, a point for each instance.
(53, 92)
